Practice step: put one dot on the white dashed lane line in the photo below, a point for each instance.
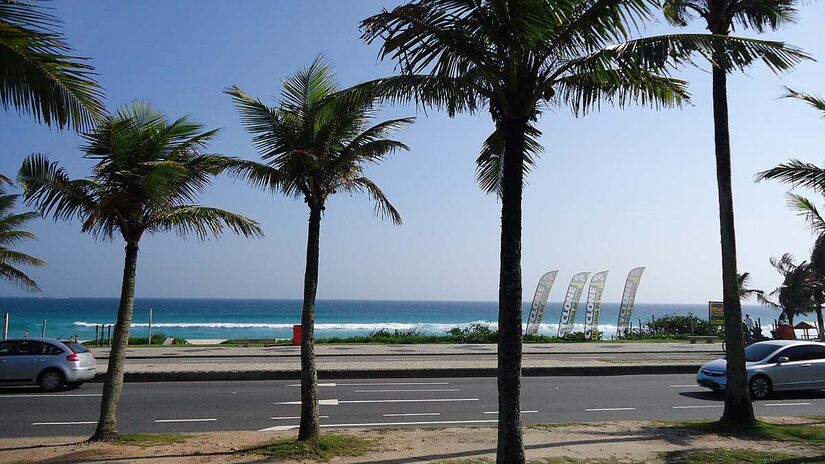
(405, 414)
(411, 390)
(280, 428)
(522, 412)
(294, 417)
(185, 420)
(64, 423)
(609, 409)
(700, 406)
(786, 404)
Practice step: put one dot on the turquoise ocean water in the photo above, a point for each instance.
(258, 318)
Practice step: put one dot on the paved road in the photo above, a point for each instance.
(260, 405)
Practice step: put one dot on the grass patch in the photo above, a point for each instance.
(152, 439)
(806, 434)
(555, 426)
(736, 456)
(326, 447)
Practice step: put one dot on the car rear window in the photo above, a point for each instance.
(758, 351)
(76, 347)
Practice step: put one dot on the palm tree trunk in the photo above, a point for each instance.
(310, 427)
(113, 384)
(510, 443)
(738, 407)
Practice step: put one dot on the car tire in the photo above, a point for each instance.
(760, 387)
(74, 385)
(51, 380)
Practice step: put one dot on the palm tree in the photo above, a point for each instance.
(515, 58)
(796, 295)
(38, 76)
(806, 175)
(721, 17)
(10, 235)
(315, 145)
(148, 174)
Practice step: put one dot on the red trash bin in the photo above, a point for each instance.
(786, 332)
(296, 335)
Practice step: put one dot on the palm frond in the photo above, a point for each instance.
(47, 185)
(812, 100)
(805, 208)
(797, 174)
(383, 208)
(203, 222)
(38, 74)
(488, 164)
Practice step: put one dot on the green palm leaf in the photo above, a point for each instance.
(38, 75)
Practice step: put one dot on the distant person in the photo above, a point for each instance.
(26, 333)
(749, 322)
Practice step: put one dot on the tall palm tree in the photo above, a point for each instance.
(721, 18)
(11, 235)
(806, 175)
(315, 145)
(148, 174)
(796, 295)
(515, 58)
(38, 75)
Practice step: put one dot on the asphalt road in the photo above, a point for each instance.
(260, 405)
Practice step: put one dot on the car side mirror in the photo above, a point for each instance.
(782, 360)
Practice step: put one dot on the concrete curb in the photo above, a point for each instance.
(388, 355)
(194, 376)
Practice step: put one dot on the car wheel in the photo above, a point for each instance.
(51, 380)
(760, 387)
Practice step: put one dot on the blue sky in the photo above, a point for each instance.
(614, 190)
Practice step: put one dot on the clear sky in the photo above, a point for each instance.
(614, 190)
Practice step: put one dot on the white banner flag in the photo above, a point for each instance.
(628, 299)
(571, 303)
(540, 302)
(594, 304)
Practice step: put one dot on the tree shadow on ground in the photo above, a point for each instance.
(681, 456)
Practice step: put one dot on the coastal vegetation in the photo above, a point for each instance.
(148, 175)
(315, 144)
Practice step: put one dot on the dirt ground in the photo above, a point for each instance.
(624, 442)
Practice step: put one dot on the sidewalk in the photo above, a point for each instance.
(189, 363)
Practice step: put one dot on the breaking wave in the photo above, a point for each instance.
(425, 327)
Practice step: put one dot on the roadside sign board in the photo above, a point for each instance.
(716, 312)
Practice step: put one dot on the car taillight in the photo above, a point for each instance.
(72, 357)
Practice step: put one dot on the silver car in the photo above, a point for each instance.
(776, 365)
(51, 363)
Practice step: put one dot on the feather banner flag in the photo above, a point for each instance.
(540, 302)
(571, 303)
(594, 304)
(628, 299)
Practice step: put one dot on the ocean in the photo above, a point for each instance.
(262, 318)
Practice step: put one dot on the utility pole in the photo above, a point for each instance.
(5, 326)
(43, 332)
(150, 325)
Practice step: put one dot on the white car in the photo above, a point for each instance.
(776, 365)
(48, 362)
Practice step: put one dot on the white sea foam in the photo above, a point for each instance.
(425, 327)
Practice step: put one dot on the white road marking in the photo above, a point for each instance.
(428, 400)
(413, 414)
(420, 390)
(522, 412)
(294, 417)
(390, 383)
(64, 423)
(683, 386)
(609, 409)
(48, 395)
(320, 402)
(702, 406)
(280, 428)
(185, 420)
(329, 384)
(787, 404)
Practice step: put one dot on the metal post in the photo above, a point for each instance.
(97, 340)
(43, 331)
(5, 326)
(150, 326)
(110, 335)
